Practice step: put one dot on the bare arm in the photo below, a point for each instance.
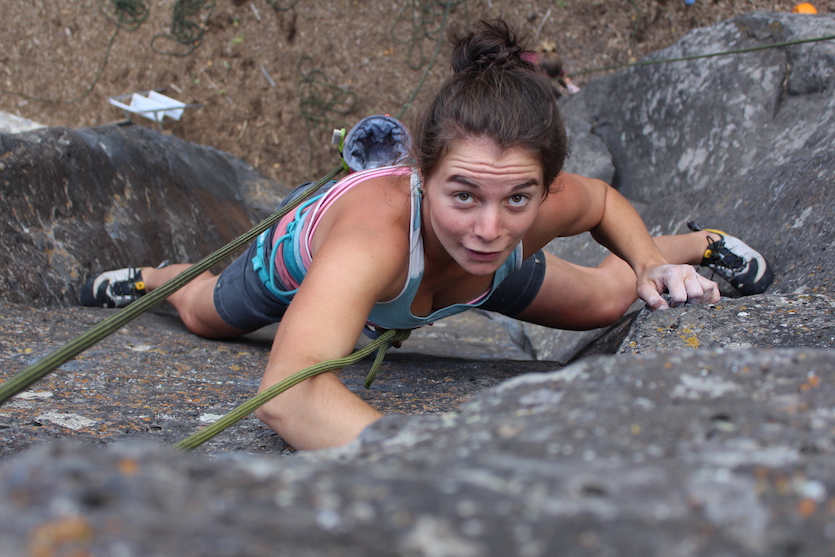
(585, 204)
(361, 261)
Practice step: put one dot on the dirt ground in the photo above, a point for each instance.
(273, 78)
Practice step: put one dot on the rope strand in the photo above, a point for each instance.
(380, 344)
(698, 56)
(187, 25)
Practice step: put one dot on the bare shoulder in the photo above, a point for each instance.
(377, 205)
(366, 233)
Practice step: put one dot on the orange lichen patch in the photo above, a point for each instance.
(128, 467)
(69, 535)
(691, 341)
(806, 507)
(811, 382)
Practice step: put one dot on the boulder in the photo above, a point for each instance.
(691, 125)
(703, 452)
(743, 143)
(75, 202)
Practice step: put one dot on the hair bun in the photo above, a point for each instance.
(487, 45)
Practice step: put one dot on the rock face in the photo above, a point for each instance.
(744, 143)
(689, 453)
(709, 432)
(77, 202)
(691, 125)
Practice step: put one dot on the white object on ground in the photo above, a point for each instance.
(9, 123)
(155, 106)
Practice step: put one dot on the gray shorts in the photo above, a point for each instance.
(518, 290)
(242, 300)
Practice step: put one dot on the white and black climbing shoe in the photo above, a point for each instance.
(113, 289)
(735, 261)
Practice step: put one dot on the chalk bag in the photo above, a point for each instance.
(374, 142)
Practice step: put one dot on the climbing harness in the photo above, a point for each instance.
(264, 266)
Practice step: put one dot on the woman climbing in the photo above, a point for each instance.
(401, 247)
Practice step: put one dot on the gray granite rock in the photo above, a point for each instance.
(74, 202)
(768, 320)
(689, 125)
(743, 143)
(785, 211)
(694, 453)
(154, 380)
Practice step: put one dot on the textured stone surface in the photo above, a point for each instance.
(695, 453)
(153, 379)
(785, 211)
(799, 320)
(690, 125)
(79, 201)
(742, 143)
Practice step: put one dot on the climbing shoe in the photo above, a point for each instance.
(113, 289)
(735, 261)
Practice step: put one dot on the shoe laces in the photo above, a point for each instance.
(129, 287)
(718, 256)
